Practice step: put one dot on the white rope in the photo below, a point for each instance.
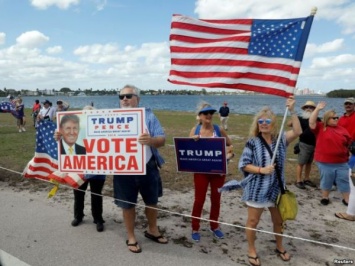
(202, 219)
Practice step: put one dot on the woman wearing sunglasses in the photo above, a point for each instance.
(206, 129)
(331, 153)
(262, 189)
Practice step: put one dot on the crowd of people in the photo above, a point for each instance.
(46, 111)
(324, 140)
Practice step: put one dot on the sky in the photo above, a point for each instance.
(105, 44)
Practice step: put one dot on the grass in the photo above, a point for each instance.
(18, 148)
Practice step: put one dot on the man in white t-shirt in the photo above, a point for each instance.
(47, 112)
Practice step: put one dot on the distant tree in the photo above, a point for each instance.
(203, 91)
(341, 93)
(65, 90)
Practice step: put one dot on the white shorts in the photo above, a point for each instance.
(259, 205)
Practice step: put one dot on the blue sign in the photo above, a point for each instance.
(206, 155)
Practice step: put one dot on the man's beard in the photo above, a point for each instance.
(305, 114)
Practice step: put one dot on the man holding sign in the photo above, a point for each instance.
(127, 187)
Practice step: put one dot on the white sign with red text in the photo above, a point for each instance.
(106, 141)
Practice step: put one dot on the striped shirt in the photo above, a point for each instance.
(262, 188)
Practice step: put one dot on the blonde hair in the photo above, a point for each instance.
(327, 115)
(200, 106)
(264, 112)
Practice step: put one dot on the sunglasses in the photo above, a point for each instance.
(348, 103)
(208, 113)
(266, 121)
(128, 96)
(309, 107)
(334, 117)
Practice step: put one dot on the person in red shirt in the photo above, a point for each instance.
(35, 110)
(331, 153)
(348, 119)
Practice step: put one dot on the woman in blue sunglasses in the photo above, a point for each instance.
(263, 188)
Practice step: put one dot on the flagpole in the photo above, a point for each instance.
(279, 137)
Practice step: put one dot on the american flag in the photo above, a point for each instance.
(247, 54)
(44, 164)
(8, 107)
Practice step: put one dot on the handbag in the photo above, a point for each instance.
(286, 201)
(287, 204)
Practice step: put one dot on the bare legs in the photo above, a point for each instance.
(254, 215)
(129, 217)
(307, 171)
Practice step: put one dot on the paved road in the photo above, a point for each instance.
(36, 232)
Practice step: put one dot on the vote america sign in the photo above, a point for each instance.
(102, 141)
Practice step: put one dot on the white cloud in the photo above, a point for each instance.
(146, 54)
(2, 37)
(62, 4)
(54, 50)
(333, 61)
(347, 19)
(100, 4)
(328, 47)
(253, 8)
(341, 11)
(31, 39)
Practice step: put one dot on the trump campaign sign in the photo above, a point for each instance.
(102, 141)
(206, 155)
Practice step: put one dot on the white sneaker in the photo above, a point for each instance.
(23, 129)
(20, 130)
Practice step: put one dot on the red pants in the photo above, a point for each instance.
(201, 182)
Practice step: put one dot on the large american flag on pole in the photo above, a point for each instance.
(247, 54)
(44, 164)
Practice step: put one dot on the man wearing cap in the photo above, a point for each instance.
(348, 119)
(62, 106)
(307, 142)
(47, 112)
(223, 115)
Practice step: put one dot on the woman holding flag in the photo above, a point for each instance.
(256, 164)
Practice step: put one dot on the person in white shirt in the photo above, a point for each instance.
(47, 112)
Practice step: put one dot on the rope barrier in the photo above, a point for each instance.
(200, 218)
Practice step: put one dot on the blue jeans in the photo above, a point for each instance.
(337, 173)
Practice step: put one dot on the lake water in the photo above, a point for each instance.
(238, 104)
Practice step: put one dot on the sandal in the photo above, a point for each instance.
(345, 216)
(324, 201)
(138, 249)
(282, 255)
(256, 259)
(159, 239)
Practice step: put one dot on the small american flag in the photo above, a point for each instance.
(44, 164)
(8, 107)
(248, 54)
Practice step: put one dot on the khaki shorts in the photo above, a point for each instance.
(306, 154)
